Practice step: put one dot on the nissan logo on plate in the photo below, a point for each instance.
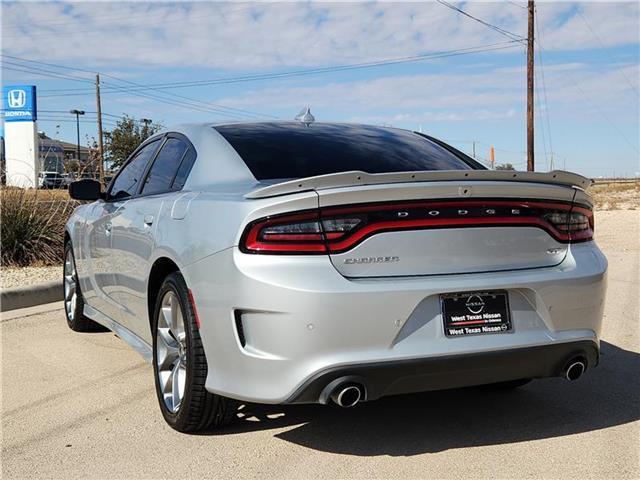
(475, 304)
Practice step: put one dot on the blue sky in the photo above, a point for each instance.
(587, 111)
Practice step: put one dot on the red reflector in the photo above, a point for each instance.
(195, 310)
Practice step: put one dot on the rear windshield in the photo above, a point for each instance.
(294, 150)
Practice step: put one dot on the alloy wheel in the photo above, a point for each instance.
(171, 351)
(70, 286)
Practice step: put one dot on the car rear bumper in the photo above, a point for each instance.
(448, 371)
(274, 328)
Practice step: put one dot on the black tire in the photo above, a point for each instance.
(76, 319)
(509, 385)
(199, 409)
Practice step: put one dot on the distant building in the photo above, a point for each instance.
(71, 152)
(50, 154)
(55, 155)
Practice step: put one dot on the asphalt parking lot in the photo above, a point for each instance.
(83, 406)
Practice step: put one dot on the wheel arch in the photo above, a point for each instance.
(162, 267)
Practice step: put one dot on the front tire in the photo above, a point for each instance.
(180, 366)
(73, 300)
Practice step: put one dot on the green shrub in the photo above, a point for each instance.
(32, 227)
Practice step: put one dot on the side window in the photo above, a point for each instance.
(126, 183)
(185, 167)
(165, 167)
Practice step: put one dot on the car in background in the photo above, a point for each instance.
(51, 180)
(290, 262)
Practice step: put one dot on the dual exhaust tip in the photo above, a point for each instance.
(574, 369)
(347, 395)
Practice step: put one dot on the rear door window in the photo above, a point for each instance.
(128, 180)
(165, 167)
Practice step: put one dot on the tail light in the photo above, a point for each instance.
(338, 229)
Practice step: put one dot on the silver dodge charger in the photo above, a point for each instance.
(290, 262)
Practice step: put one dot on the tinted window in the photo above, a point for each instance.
(164, 167)
(293, 150)
(126, 183)
(185, 167)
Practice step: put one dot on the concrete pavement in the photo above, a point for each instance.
(83, 406)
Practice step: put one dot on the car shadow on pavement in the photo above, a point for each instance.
(435, 421)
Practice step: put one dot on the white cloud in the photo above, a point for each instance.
(572, 90)
(266, 35)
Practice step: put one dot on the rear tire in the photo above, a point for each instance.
(73, 300)
(180, 365)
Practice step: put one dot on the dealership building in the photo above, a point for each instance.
(55, 155)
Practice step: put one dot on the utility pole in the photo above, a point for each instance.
(77, 113)
(474, 149)
(100, 143)
(492, 158)
(530, 111)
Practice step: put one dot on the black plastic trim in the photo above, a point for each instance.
(451, 371)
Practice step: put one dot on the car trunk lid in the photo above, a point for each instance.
(445, 227)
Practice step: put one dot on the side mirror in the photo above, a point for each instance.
(86, 189)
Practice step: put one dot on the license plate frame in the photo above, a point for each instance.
(475, 313)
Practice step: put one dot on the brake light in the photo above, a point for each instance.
(338, 229)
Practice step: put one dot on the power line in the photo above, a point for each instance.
(576, 84)
(376, 63)
(41, 72)
(500, 30)
(214, 107)
(312, 71)
(541, 117)
(544, 90)
(517, 5)
(67, 111)
(192, 106)
(597, 37)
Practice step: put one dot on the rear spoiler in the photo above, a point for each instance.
(356, 178)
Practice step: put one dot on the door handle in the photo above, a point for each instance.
(148, 220)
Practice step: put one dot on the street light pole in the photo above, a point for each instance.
(147, 122)
(77, 113)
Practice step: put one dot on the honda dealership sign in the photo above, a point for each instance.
(21, 135)
(19, 103)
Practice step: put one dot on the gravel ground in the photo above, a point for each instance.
(21, 277)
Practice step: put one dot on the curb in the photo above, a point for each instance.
(22, 297)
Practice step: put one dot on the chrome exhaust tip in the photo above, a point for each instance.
(574, 370)
(347, 396)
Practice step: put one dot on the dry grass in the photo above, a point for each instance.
(32, 226)
(40, 194)
(616, 196)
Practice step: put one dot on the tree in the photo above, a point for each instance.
(504, 166)
(125, 138)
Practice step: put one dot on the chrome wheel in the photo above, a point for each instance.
(70, 286)
(171, 351)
